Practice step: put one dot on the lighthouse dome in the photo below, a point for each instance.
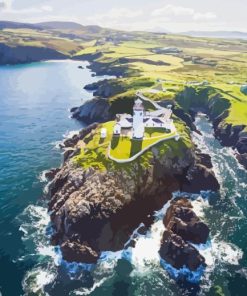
(138, 105)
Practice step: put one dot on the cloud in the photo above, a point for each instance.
(47, 8)
(115, 14)
(6, 7)
(172, 10)
(181, 12)
(204, 16)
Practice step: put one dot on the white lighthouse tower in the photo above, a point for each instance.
(138, 123)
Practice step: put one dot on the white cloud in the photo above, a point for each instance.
(47, 8)
(204, 16)
(115, 14)
(172, 10)
(6, 7)
(180, 12)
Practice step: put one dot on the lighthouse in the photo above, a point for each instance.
(138, 122)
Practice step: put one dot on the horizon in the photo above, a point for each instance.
(88, 25)
(162, 16)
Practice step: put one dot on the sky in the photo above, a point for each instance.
(151, 15)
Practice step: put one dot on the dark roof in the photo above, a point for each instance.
(146, 119)
(157, 120)
(129, 119)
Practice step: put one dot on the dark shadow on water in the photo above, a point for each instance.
(63, 284)
(122, 283)
(188, 288)
(136, 146)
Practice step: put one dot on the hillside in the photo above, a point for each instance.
(182, 69)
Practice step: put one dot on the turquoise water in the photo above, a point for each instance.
(34, 117)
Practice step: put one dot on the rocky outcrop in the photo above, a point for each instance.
(95, 110)
(27, 54)
(92, 206)
(200, 176)
(77, 252)
(175, 251)
(179, 112)
(182, 220)
(235, 137)
(49, 175)
(183, 227)
(72, 141)
(89, 207)
(105, 88)
(212, 102)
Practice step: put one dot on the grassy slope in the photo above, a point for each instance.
(94, 149)
(135, 51)
(225, 78)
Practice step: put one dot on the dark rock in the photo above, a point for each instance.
(72, 141)
(200, 178)
(96, 110)
(70, 152)
(51, 173)
(77, 252)
(204, 159)
(91, 206)
(179, 112)
(73, 109)
(242, 144)
(182, 220)
(142, 230)
(27, 54)
(130, 244)
(228, 135)
(242, 158)
(175, 251)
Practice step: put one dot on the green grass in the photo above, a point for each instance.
(127, 148)
(135, 58)
(95, 150)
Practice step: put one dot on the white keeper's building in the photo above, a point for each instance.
(136, 124)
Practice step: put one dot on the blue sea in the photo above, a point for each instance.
(34, 117)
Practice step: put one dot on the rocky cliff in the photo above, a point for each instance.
(95, 110)
(27, 54)
(182, 229)
(217, 107)
(96, 210)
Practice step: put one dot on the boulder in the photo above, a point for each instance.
(175, 251)
(182, 220)
(242, 145)
(72, 141)
(95, 110)
(242, 158)
(78, 252)
(200, 177)
(51, 173)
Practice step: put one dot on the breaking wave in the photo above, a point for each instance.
(148, 270)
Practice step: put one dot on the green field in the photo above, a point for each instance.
(202, 72)
(94, 150)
